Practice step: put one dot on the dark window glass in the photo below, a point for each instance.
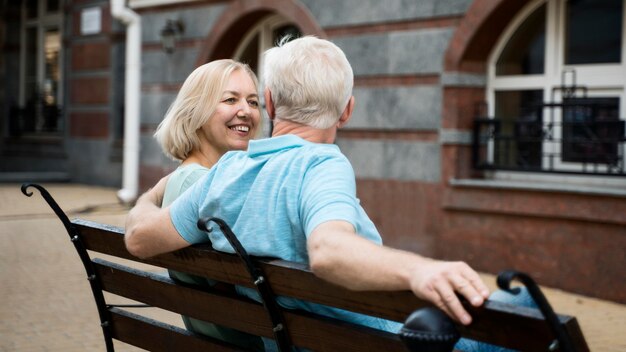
(288, 30)
(31, 109)
(521, 129)
(524, 53)
(593, 31)
(52, 5)
(31, 63)
(592, 130)
(250, 54)
(32, 9)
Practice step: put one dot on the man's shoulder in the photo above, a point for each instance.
(323, 151)
(325, 160)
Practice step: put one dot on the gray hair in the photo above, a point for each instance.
(310, 79)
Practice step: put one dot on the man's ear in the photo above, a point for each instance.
(347, 113)
(269, 103)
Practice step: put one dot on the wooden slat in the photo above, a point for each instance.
(285, 281)
(153, 289)
(295, 280)
(156, 336)
(306, 329)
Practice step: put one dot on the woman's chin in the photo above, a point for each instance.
(240, 145)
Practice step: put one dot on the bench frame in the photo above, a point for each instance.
(518, 327)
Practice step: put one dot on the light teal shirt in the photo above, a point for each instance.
(273, 195)
(178, 182)
(181, 179)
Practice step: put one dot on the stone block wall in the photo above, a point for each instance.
(420, 72)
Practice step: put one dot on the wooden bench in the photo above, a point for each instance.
(496, 323)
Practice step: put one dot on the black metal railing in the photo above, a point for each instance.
(576, 135)
(595, 147)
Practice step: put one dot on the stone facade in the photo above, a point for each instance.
(420, 71)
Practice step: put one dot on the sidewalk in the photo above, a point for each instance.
(47, 304)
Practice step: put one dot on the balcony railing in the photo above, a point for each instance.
(584, 139)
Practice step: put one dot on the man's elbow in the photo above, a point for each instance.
(320, 258)
(134, 244)
(319, 266)
(327, 268)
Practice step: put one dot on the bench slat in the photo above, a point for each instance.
(156, 336)
(295, 280)
(306, 329)
(235, 312)
(204, 261)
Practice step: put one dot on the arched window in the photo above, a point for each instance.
(261, 37)
(556, 90)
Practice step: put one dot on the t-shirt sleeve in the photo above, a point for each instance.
(185, 212)
(328, 193)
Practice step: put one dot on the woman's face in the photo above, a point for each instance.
(236, 117)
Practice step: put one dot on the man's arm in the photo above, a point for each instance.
(337, 254)
(149, 229)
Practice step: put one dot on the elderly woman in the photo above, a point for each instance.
(216, 110)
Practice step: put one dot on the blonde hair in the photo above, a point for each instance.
(310, 79)
(194, 105)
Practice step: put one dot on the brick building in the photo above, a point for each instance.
(490, 131)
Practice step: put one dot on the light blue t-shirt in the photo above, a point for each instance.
(273, 196)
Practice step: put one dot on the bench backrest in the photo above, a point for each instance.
(497, 323)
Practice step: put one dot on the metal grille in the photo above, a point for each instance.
(577, 135)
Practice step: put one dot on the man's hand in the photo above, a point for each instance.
(440, 281)
(337, 254)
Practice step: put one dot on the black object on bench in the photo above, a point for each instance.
(426, 328)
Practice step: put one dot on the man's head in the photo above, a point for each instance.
(310, 81)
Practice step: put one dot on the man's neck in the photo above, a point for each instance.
(308, 133)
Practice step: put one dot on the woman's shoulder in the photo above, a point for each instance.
(183, 177)
(191, 172)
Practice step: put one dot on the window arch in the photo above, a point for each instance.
(263, 36)
(551, 45)
(259, 38)
(241, 16)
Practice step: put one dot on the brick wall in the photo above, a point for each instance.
(420, 71)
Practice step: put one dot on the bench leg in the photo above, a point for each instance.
(74, 234)
(563, 341)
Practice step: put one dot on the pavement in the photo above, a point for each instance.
(47, 304)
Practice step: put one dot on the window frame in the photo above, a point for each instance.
(43, 22)
(605, 80)
(264, 28)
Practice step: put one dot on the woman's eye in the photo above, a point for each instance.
(254, 103)
(230, 100)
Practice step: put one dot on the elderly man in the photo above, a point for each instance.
(293, 196)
